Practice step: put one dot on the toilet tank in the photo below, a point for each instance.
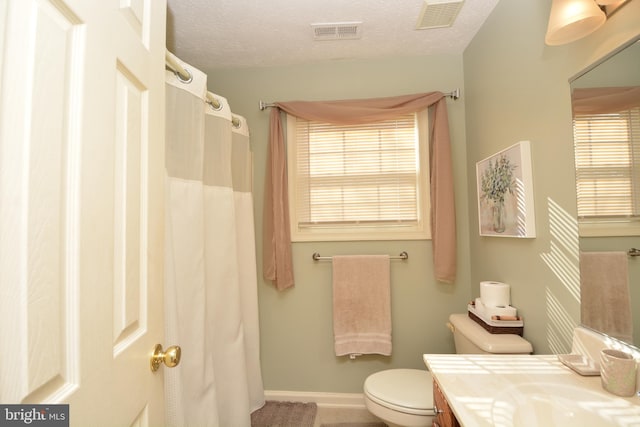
(471, 338)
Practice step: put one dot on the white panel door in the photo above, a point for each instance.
(81, 206)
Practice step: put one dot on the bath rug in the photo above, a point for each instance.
(285, 414)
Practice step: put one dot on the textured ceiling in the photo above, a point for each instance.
(250, 33)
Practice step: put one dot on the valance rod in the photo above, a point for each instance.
(455, 94)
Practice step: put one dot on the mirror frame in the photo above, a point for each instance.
(604, 58)
(571, 81)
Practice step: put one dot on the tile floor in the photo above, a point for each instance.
(333, 415)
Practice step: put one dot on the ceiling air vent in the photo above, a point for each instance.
(438, 13)
(337, 31)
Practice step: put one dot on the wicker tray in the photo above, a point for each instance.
(516, 330)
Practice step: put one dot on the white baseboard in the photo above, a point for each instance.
(327, 400)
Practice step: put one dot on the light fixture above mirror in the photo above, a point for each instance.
(571, 20)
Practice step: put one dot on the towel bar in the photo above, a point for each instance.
(317, 257)
(633, 252)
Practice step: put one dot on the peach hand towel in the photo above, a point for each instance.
(605, 303)
(361, 304)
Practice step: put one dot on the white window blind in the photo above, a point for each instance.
(358, 179)
(607, 149)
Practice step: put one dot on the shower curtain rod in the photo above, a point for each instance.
(454, 94)
(172, 62)
(211, 100)
(215, 104)
(185, 77)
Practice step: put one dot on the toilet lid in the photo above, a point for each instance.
(403, 390)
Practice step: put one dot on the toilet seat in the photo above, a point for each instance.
(404, 390)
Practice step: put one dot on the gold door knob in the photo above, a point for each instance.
(170, 357)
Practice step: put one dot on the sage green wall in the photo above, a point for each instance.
(517, 89)
(296, 324)
(513, 88)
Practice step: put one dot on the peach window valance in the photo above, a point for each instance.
(277, 255)
(604, 100)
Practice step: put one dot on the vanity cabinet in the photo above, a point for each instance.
(518, 390)
(444, 414)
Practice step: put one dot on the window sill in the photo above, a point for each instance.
(608, 229)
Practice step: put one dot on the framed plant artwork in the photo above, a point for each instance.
(505, 193)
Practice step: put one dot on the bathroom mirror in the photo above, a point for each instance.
(621, 68)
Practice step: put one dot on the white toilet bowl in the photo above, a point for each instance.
(400, 397)
(404, 397)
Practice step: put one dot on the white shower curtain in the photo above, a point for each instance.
(211, 307)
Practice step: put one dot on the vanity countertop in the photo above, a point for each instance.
(525, 390)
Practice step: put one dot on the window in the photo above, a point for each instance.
(359, 182)
(607, 148)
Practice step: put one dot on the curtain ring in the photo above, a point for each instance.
(214, 107)
(185, 80)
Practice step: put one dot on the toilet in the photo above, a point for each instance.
(404, 397)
